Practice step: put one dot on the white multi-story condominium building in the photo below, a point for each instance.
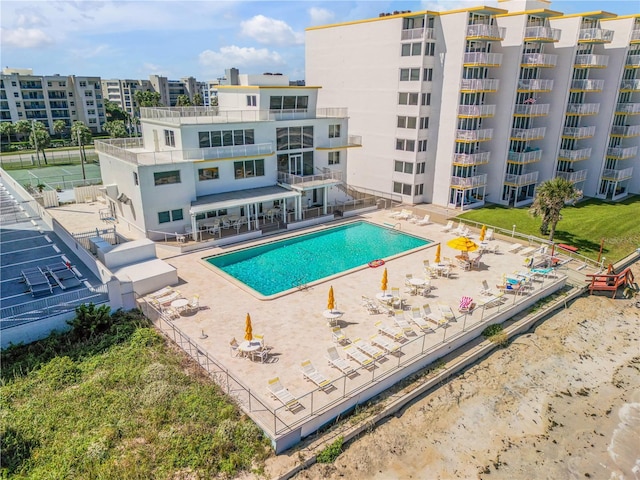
(483, 104)
(266, 151)
(25, 96)
(121, 92)
(170, 90)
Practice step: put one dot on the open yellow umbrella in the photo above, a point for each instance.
(437, 259)
(463, 244)
(483, 232)
(248, 335)
(383, 284)
(331, 304)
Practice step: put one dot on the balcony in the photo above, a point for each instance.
(468, 136)
(541, 34)
(215, 153)
(535, 85)
(617, 175)
(527, 134)
(620, 153)
(595, 35)
(470, 159)
(539, 110)
(538, 60)
(583, 109)
(30, 85)
(34, 106)
(33, 96)
(485, 32)
(635, 36)
(476, 111)
(463, 183)
(573, 177)
(523, 158)
(417, 34)
(633, 61)
(574, 155)
(519, 180)
(340, 142)
(630, 86)
(482, 59)
(591, 61)
(578, 132)
(57, 95)
(475, 85)
(628, 109)
(317, 180)
(586, 86)
(625, 131)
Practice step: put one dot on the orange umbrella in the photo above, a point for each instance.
(383, 285)
(248, 336)
(331, 304)
(483, 232)
(437, 260)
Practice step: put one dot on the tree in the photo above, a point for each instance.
(81, 136)
(59, 127)
(8, 129)
(114, 112)
(147, 98)
(40, 139)
(197, 100)
(183, 101)
(115, 128)
(551, 197)
(23, 127)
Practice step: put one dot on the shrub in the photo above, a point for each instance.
(495, 333)
(331, 452)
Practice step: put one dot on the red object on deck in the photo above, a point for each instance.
(570, 248)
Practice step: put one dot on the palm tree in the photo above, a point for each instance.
(81, 135)
(183, 101)
(39, 139)
(8, 129)
(59, 126)
(551, 197)
(23, 127)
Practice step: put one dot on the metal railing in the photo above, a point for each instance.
(574, 155)
(595, 34)
(417, 34)
(537, 109)
(476, 110)
(596, 61)
(539, 59)
(579, 132)
(291, 179)
(626, 130)
(482, 58)
(587, 85)
(479, 84)
(583, 108)
(633, 61)
(469, 182)
(630, 85)
(351, 140)
(478, 158)
(617, 175)
(621, 153)
(528, 133)
(535, 85)
(628, 108)
(524, 179)
(531, 156)
(573, 177)
(486, 31)
(214, 153)
(474, 135)
(542, 33)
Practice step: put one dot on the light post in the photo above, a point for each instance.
(84, 176)
(35, 140)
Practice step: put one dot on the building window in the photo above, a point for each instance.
(403, 167)
(170, 216)
(14, 84)
(420, 189)
(430, 49)
(135, 178)
(169, 138)
(93, 120)
(16, 94)
(406, 122)
(18, 104)
(251, 100)
(334, 131)
(210, 173)
(165, 178)
(249, 168)
(409, 74)
(411, 49)
(407, 145)
(426, 99)
(420, 167)
(226, 138)
(277, 102)
(422, 145)
(405, 98)
(89, 103)
(88, 93)
(427, 75)
(83, 84)
(177, 215)
(294, 138)
(62, 84)
(91, 111)
(334, 158)
(401, 188)
(424, 123)
(49, 84)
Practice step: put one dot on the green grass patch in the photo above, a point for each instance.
(331, 452)
(583, 225)
(115, 400)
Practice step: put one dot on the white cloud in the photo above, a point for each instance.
(30, 19)
(234, 56)
(320, 16)
(25, 37)
(270, 31)
(149, 68)
(91, 52)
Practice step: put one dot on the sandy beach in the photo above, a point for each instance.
(561, 401)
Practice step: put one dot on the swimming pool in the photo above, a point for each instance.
(279, 266)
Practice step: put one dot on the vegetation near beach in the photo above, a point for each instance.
(111, 399)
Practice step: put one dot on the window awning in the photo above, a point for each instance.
(240, 198)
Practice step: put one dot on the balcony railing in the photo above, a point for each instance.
(474, 135)
(625, 130)
(527, 133)
(583, 108)
(573, 177)
(525, 157)
(635, 35)
(479, 85)
(579, 132)
(535, 85)
(630, 85)
(595, 35)
(482, 59)
(628, 108)
(485, 32)
(587, 85)
(340, 142)
(417, 34)
(290, 179)
(617, 175)
(541, 34)
(633, 61)
(574, 155)
(524, 179)
(36, 106)
(469, 182)
(539, 60)
(591, 61)
(476, 110)
(215, 153)
(621, 153)
(537, 110)
(479, 158)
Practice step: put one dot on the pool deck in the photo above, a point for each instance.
(295, 330)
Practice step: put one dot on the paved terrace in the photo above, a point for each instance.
(295, 330)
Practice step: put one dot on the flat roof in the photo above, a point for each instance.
(241, 197)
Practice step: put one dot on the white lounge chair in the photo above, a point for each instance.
(400, 321)
(424, 221)
(279, 392)
(466, 304)
(338, 336)
(371, 306)
(335, 360)
(430, 316)
(357, 356)
(446, 311)
(491, 301)
(486, 290)
(417, 318)
(448, 226)
(367, 348)
(385, 343)
(392, 332)
(527, 250)
(311, 373)
(194, 303)
(514, 248)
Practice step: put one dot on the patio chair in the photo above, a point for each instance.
(370, 305)
(402, 323)
(488, 235)
(397, 301)
(310, 372)
(448, 226)
(368, 349)
(278, 391)
(170, 313)
(194, 303)
(475, 262)
(390, 331)
(357, 356)
(514, 248)
(424, 221)
(527, 250)
(430, 316)
(385, 343)
(234, 347)
(338, 336)
(447, 312)
(417, 318)
(262, 354)
(466, 305)
(460, 229)
(485, 290)
(335, 360)
(259, 338)
(491, 300)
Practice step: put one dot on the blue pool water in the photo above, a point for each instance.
(278, 266)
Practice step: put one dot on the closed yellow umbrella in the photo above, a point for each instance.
(248, 335)
(331, 304)
(383, 284)
(483, 232)
(437, 259)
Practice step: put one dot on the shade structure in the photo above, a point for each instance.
(331, 303)
(248, 330)
(483, 232)
(463, 244)
(437, 259)
(383, 284)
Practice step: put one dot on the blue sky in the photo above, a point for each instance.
(135, 39)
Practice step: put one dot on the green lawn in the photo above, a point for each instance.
(583, 225)
(119, 404)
